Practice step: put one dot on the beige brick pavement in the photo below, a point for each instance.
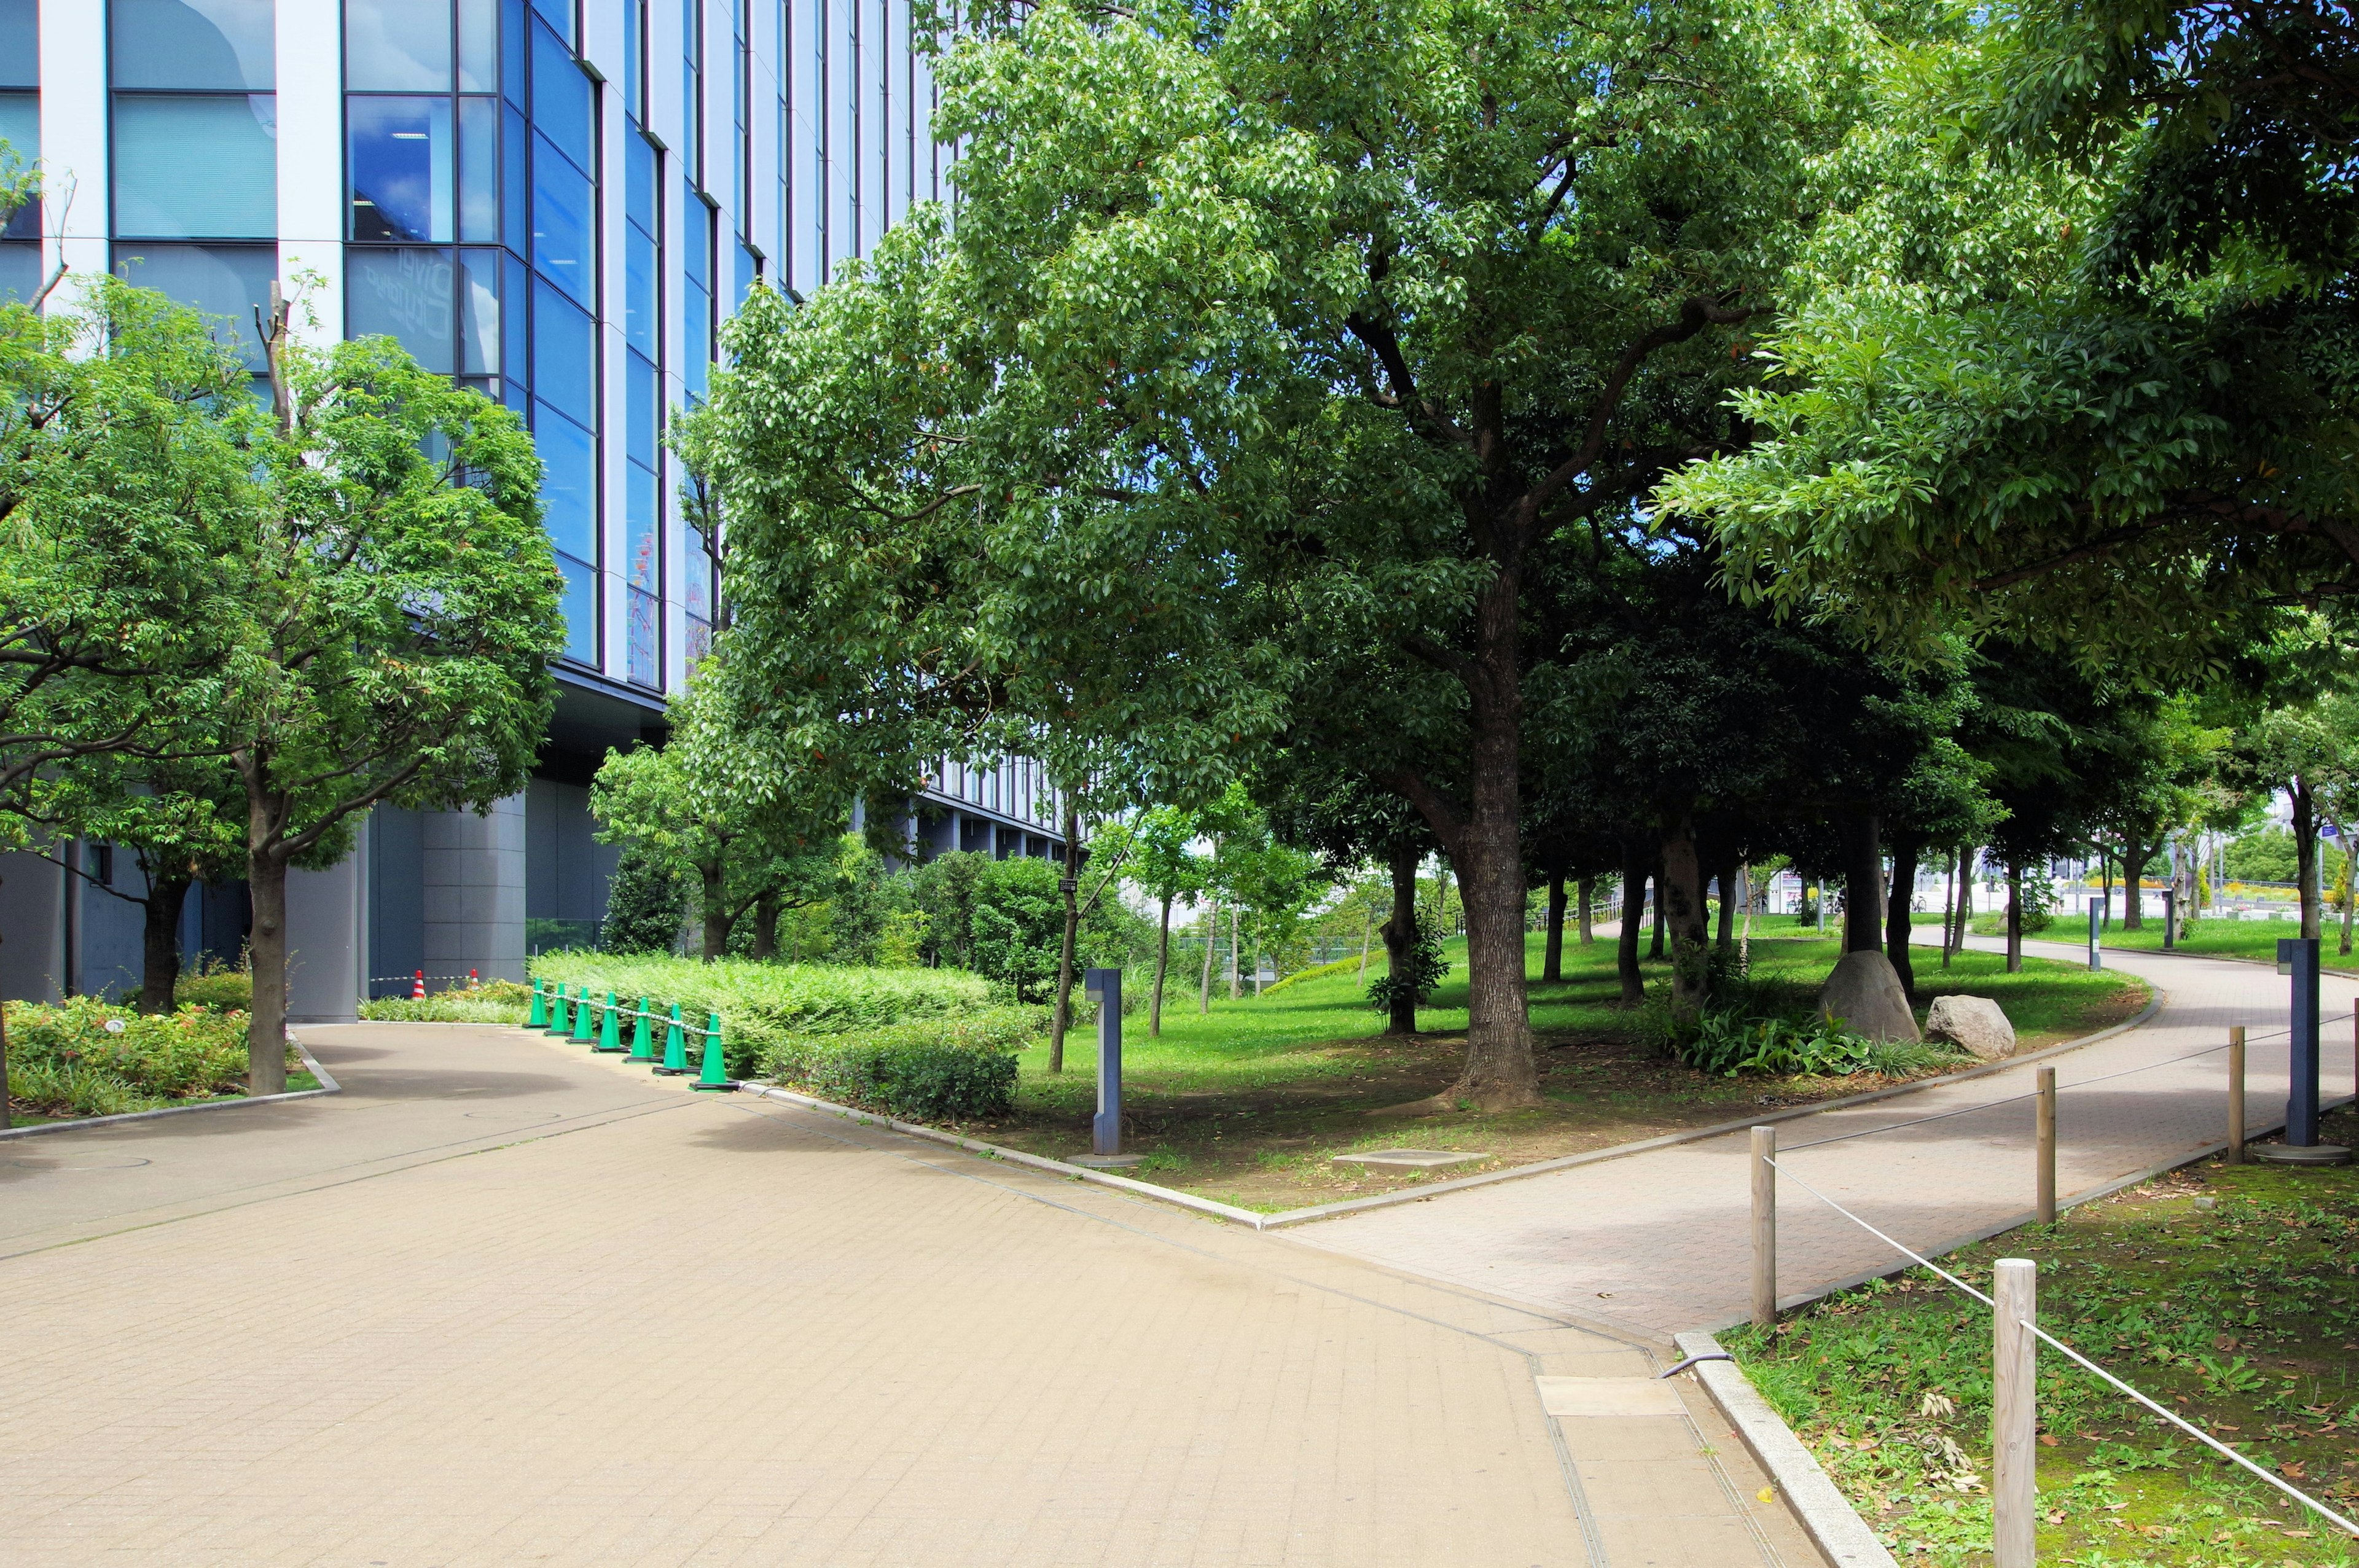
(1660, 1242)
(505, 1303)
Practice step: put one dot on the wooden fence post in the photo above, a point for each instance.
(2014, 1414)
(2045, 1120)
(2237, 1094)
(1764, 1226)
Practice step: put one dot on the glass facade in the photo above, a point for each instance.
(20, 127)
(195, 119)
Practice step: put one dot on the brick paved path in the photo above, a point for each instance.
(502, 1303)
(1658, 1242)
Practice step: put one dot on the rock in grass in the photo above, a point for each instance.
(1975, 1022)
(1864, 995)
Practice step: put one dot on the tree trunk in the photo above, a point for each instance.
(2135, 852)
(265, 1035)
(1586, 891)
(2350, 886)
(1955, 940)
(765, 946)
(1654, 947)
(1727, 938)
(1367, 930)
(2305, 850)
(1681, 885)
(1626, 946)
(2105, 880)
(717, 919)
(2013, 920)
(159, 941)
(1899, 919)
(1234, 990)
(1400, 943)
(1162, 962)
(1862, 886)
(1212, 940)
(1552, 951)
(1069, 887)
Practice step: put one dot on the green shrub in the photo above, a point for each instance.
(217, 987)
(647, 904)
(1729, 1043)
(451, 1007)
(950, 1069)
(87, 1057)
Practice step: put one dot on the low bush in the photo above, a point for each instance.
(946, 1069)
(216, 987)
(1729, 1044)
(451, 1007)
(761, 1004)
(88, 1057)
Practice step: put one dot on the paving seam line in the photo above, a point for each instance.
(1290, 1217)
(1826, 1515)
(328, 1085)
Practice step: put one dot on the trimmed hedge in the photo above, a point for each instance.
(952, 1069)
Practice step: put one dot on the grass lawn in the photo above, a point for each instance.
(2224, 939)
(1249, 1103)
(2225, 1290)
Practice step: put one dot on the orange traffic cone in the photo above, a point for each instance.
(417, 987)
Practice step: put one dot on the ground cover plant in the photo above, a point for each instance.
(492, 1002)
(2225, 1291)
(88, 1056)
(1249, 1102)
(2219, 938)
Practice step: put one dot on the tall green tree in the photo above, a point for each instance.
(1163, 866)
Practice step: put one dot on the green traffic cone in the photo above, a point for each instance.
(716, 1073)
(539, 1019)
(642, 1039)
(608, 1040)
(581, 1019)
(557, 1013)
(675, 1061)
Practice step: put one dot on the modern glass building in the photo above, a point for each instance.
(556, 201)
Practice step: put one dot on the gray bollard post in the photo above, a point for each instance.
(2014, 1414)
(2097, 930)
(1104, 986)
(2297, 957)
(2170, 918)
(1764, 1226)
(2044, 1120)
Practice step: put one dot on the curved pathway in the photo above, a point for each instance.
(1660, 1242)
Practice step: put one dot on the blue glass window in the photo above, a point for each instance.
(20, 127)
(20, 43)
(401, 163)
(749, 267)
(517, 355)
(564, 355)
(479, 170)
(479, 46)
(640, 524)
(20, 271)
(197, 167)
(558, 14)
(645, 653)
(480, 337)
(639, 162)
(642, 398)
(560, 98)
(641, 322)
(397, 46)
(225, 45)
(406, 296)
(568, 487)
(580, 607)
(515, 215)
(563, 213)
(229, 282)
(512, 61)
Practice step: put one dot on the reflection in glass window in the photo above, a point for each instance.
(560, 98)
(580, 609)
(641, 402)
(223, 45)
(20, 271)
(20, 43)
(401, 167)
(562, 214)
(196, 168)
(564, 355)
(479, 43)
(405, 295)
(558, 14)
(397, 46)
(479, 312)
(230, 283)
(568, 489)
(641, 322)
(479, 170)
(517, 355)
(640, 507)
(20, 127)
(643, 661)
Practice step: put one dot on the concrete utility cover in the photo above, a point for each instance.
(1410, 1159)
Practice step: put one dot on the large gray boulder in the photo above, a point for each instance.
(1865, 993)
(1975, 1022)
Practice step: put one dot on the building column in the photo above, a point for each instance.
(326, 939)
(32, 927)
(474, 886)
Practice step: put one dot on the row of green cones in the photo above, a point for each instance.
(584, 1021)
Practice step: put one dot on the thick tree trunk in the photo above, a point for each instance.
(2013, 920)
(1654, 945)
(159, 941)
(1212, 940)
(2134, 858)
(1069, 888)
(1501, 1072)
(1899, 919)
(1552, 952)
(1726, 940)
(2305, 850)
(1399, 933)
(1625, 947)
(1587, 892)
(718, 921)
(1163, 963)
(265, 1035)
(1965, 917)
(765, 946)
(1683, 907)
(1862, 886)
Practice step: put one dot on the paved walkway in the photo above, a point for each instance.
(502, 1303)
(1660, 1242)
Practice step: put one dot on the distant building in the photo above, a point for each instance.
(555, 201)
